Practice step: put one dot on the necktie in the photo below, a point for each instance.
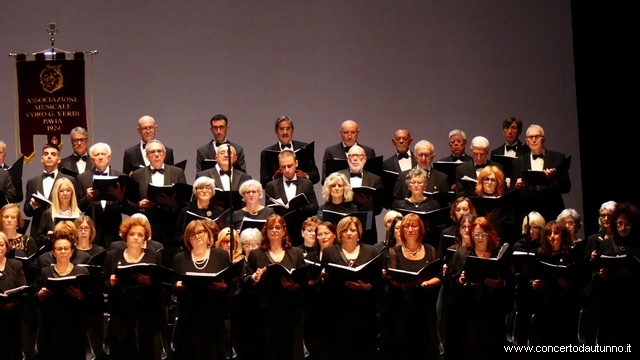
(228, 172)
(77, 157)
(153, 171)
(289, 182)
(403, 156)
(541, 156)
(45, 175)
(359, 175)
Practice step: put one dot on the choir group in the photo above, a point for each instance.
(479, 252)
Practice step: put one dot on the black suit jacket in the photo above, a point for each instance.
(374, 181)
(450, 158)
(70, 163)
(237, 178)
(337, 152)
(34, 185)
(469, 169)
(545, 200)
(437, 181)
(309, 167)
(107, 220)
(163, 219)
(522, 148)
(134, 159)
(392, 163)
(6, 186)
(209, 152)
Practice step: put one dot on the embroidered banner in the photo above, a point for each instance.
(51, 99)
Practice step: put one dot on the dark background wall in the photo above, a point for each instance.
(429, 66)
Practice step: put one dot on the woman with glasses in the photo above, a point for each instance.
(63, 204)
(250, 239)
(573, 222)
(201, 312)
(86, 235)
(308, 233)
(616, 281)
(136, 305)
(203, 189)
(491, 184)
(417, 183)
(11, 277)
(477, 310)
(251, 192)
(462, 206)
(605, 231)
(64, 313)
(224, 243)
(279, 328)
(412, 309)
(352, 304)
(337, 194)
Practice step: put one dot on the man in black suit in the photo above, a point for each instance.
(513, 147)
(15, 183)
(402, 160)
(424, 153)
(547, 200)
(79, 161)
(349, 132)
(284, 132)
(285, 188)
(6, 186)
(163, 215)
(457, 144)
(133, 156)
(227, 179)
(359, 177)
(107, 215)
(219, 125)
(471, 169)
(43, 183)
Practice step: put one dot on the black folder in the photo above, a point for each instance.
(158, 274)
(429, 271)
(368, 272)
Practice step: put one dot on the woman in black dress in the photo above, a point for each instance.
(199, 333)
(63, 204)
(459, 208)
(474, 314)
(555, 309)
(23, 245)
(278, 327)
(337, 195)
(417, 183)
(11, 277)
(573, 222)
(412, 304)
(351, 305)
(203, 189)
(86, 235)
(251, 192)
(64, 314)
(137, 305)
(308, 235)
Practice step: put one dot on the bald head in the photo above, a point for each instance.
(147, 128)
(349, 132)
(402, 140)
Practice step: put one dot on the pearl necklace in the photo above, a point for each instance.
(201, 264)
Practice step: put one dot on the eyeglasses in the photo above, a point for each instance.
(84, 229)
(356, 157)
(310, 231)
(604, 215)
(534, 137)
(79, 141)
(251, 192)
(285, 129)
(324, 235)
(416, 182)
(198, 233)
(219, 128)
(275, 227)
(203, 188)
(148, 128)
(493, 181)
(250, 246)
(159, 151)
(570, 223)
(456, 141)
(536, 229)
(622, 224)
(425, 155)
(63, 249)
(482, 235)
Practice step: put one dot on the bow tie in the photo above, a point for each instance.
(228, 172)
(347, 148)
(286, 146)
(220, 144)
(289, 182)
(77, 157)
(513, 147)
(144, 146)
(403, 156)
(541, 156)
(153, 171)
(356, 175)
(45, 175)
(479, 166)
(98, 172)
(455, 158)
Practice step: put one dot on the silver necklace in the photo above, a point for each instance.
(412, 252)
